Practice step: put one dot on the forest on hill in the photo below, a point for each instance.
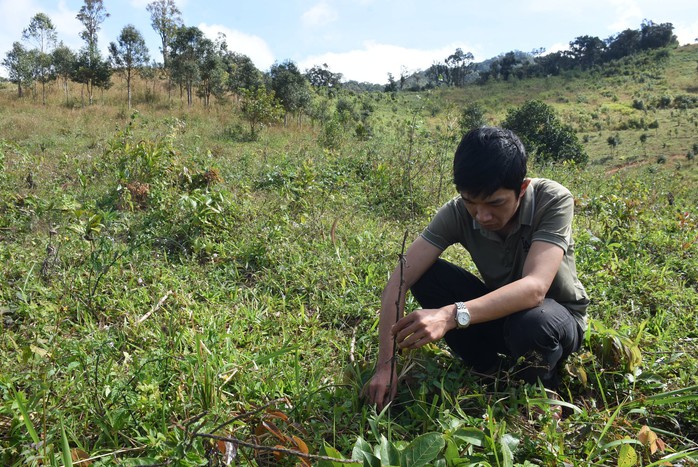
(193, 255)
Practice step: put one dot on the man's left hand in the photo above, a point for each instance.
(424, 326)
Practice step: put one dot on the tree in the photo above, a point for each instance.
(290, 87)
(92, 14)
(553, 63)
(259, 107)
(91, 70)
(655, 36)
(19, 63)
(42, 32)
(188, 47)
(613, 142)
(543, 135)
(166, 19)
(63, 64)
(507, 63)
(392, 84)
(458, 66)
(587, 51)
(242, 73)
(129, 54)
(212, 69)
(322, 78)
(623, 44)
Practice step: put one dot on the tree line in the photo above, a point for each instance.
(192, 64)
(584, 53)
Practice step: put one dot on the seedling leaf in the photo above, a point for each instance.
(422, 450)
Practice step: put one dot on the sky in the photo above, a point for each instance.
(364, 40)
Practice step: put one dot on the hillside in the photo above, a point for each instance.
(181, 290)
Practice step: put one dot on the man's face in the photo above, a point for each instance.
(494, 212)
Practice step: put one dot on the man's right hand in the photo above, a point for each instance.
(378, 389)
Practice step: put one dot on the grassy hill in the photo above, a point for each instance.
(176, 294)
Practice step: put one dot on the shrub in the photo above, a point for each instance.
(544, 136)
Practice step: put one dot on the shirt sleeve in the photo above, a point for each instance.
(555, 223)
(442, 230)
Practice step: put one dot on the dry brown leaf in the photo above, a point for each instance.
(277, 414)
(274, 430)
(80, 457)
(650, 439)
(300, 444)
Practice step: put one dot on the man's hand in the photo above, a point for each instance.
(424, 326)
(378, 390)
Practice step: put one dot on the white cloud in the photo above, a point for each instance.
(686, 33)
(557, 47)
(252, 46)
(628, 15)
(319, 15)
(374, 61)
(16, 15)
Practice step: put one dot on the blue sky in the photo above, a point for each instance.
(366, 39)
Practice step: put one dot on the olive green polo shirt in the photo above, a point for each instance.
(545, 214)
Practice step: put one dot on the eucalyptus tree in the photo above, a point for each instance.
(212, 69)
(459, 64)
(165, 18)
(19, 63)
(91, 70)
(42, 33)
(129, 54)
(64, 60)
(188, 49)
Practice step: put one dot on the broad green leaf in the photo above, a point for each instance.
(422, 450)
(328, 451)
(627, 457)
(389, 454)
(509, 444)
(451, 453)
(471, 436)
(362, 452)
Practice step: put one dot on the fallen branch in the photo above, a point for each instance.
(155, 308)
(279, 450)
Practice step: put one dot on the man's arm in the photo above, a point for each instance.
(418, 258)
(541, 266)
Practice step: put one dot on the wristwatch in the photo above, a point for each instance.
(462, 315)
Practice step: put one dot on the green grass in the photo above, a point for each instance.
(170, 292)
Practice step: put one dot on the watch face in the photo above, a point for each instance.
(463, 318)
(462, 315)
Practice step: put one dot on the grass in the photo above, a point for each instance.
(175, 296)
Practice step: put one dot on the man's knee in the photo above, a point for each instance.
(546, 328)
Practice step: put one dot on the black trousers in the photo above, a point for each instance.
(544, 336)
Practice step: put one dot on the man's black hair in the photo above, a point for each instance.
(488, 159)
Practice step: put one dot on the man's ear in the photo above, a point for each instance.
(524, 185)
